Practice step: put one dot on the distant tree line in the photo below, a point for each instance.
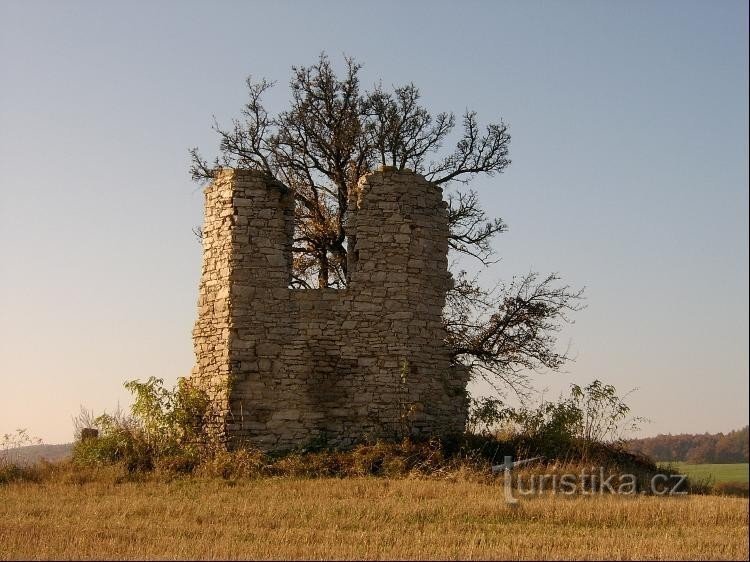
(695, 448)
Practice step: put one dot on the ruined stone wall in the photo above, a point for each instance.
(287, 368)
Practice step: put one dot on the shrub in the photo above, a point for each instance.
(13, 468)
(231, 465)
(741, 489)
(163, 429)
(573, 426)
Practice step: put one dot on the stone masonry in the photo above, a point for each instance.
(288, 368)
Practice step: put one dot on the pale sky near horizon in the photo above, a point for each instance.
(629, 125)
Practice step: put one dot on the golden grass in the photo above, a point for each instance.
(357, 518)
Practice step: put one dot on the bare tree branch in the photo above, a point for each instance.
(510, 330)
(471, 231)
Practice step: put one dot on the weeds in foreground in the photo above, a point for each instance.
(162, 438)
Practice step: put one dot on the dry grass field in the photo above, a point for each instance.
(357, 518)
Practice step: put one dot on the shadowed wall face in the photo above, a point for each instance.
(287, 368)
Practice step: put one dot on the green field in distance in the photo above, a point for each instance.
(737, 472)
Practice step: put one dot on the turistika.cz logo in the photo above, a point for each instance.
(587, 482)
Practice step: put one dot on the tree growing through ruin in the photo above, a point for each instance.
(332, 133)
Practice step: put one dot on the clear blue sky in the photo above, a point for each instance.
(629, 176)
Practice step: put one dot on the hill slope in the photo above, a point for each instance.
(35, 453)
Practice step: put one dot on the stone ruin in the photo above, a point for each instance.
(289, 368)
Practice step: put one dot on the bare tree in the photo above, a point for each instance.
(505, 333)
(330, 136)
